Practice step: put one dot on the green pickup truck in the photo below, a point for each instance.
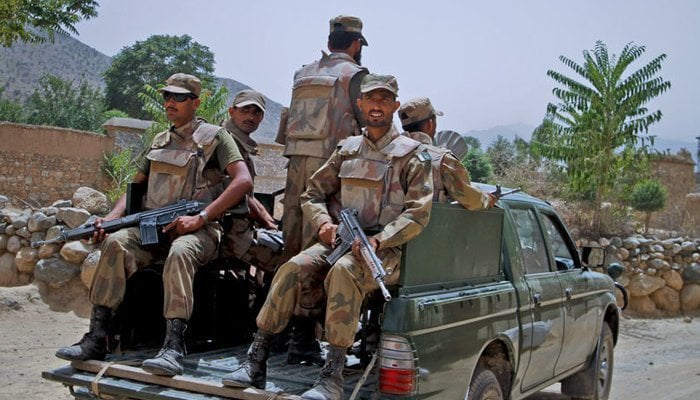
(494, 304)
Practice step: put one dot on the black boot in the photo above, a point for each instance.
(329, 385)
(93, 345)
(168, 361)
(304, 347)
(253, 372)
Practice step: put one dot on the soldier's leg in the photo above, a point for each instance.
(121, 256)
(187, 253)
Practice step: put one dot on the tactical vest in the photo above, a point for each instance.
(321, 112)
(371, 180)
(177, 169)
(436, 154)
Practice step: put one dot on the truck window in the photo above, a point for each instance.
(562, 253)
(531, 240)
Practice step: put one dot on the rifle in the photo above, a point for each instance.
(349, 229)
(150, 222)
(498, 193)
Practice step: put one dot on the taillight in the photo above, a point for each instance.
(397, 366)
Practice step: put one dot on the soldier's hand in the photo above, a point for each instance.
(327, 232)
(356, 246)
(99, 234)
(185, 224)
(492, 200)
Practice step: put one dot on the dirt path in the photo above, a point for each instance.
(655, 358)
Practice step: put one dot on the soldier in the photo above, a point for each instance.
(254, 239)
(184, 162)
(323, 111)
(450, 178)
(386, 177)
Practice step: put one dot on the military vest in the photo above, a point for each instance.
(436, 154)
(177, 167)
(371, 180)
(321, 112)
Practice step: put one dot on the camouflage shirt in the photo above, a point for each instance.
(391, 178)
(450, 178)
(246, 145)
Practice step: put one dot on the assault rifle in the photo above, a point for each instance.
(150, 222)
(498, 193)
(349, 229)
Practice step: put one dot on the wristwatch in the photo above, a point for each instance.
(204, 215)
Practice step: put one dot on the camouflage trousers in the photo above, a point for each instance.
(254, 246)
(122, 255)
(306, 281)
(297, 233)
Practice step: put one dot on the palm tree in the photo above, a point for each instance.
(601, 122)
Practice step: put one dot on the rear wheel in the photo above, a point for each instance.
(484, 386)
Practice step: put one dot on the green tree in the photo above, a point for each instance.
(46, 17)
(478, 165)
(473, 142)
(648, 196)
(59, 103)
(151, 62)
(599, 127)
(11, 111)
(501, 152)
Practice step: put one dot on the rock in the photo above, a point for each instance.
(26, 259)
(658, 264)
(616, 241)
(676, 249)
(3, 201)
(20, 220)
(668, 243)
(673, 279)
(691, 273)
(10, 230)
(623, 253)
(14, 244)
(8, 270)
(37, 237)
(666, 299)
(75, 252)
(689, 247)
(54, 232)
(3, 242)
(657, 248)
(88, 267)
(642, 285)
(604, 242)
(72, 217)
(62, 204)
(39, 222)
(91, 200)
(23, 233)
(624, 280)
(630, 243)
(49, 211)
(55, 272)
(642, 304)
(48, 250)
(690, 297)
(695, 257)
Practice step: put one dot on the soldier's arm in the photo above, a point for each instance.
(458, 186)
(417, 205)
(322, 184)
(260, 215)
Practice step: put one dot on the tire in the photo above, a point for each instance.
(595, 381)
(484, 386)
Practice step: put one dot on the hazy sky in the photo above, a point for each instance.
(482, 63)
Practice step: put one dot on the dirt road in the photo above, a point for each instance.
(655, 359)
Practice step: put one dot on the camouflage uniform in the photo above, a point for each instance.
(322, 113)
(389, 183)
(450, 178)
(244, 240)
(183, 163)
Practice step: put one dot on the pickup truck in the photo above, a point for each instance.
(492, 304)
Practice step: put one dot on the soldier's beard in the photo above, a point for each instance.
(358, 56)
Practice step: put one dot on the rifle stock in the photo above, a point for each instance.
(149, 223)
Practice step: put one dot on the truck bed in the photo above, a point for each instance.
(122, 377)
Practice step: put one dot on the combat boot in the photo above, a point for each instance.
(93, 345)
(253, 372)
(329, 385)
(168, 361)
(304, 347)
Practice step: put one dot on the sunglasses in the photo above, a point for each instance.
(178, 97)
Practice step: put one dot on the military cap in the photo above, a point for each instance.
(182, 83)
(416, 110)
(372, 82)
(247, 97)
(348, 23)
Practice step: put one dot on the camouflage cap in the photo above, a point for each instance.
(416, 110)
(247, 97)
(373, 82)
(182, 83)
(348, 23)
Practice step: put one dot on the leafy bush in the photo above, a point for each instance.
(648, 196)
(121, 170)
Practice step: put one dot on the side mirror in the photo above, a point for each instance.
(593, 256)
(615, 270)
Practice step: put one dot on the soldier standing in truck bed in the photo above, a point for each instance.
(387, 178)
(185, 162)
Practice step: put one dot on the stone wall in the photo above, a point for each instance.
(40, 164)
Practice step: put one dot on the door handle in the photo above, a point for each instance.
(568, 292)
(537, 299)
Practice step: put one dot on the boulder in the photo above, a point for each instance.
(72, 216)
(623, 253)
(643, 285)
(48, 250)
(39, 222)
(8, 270)
(630, 243)
(62, 204)
(667, 299)
(26, 259)
(14, 243)
(75, 251)
(690, 298)
(55, 272)
(19, 220)
(642, 305)
(3, 242)
(691, 273)
(689, 247)
(91, 200)
(673, 279)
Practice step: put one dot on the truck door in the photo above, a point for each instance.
(544, 338)
(580, 319)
